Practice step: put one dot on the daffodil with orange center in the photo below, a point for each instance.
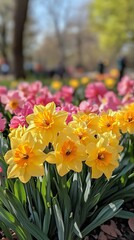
(112, 141)
(68, 154)
(47, 122)
(107, 123)
(17, 132)
(25, 158)
(84, 134)
(91, 120)
(102, 158)
(125, 119)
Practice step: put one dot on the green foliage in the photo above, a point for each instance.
(65, 208)
(68, 207)
(113, 22)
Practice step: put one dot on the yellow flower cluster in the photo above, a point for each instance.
(90, 138)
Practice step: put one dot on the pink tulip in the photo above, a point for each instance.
(88, 107)
(70, 108)
(18, 120)
(110, 101)
(2, 123)
(125, 86)
(13, 101)
(66, 94)
(94, 91)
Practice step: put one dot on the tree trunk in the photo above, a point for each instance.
(79, 48)
(21, 7)
(4, 43)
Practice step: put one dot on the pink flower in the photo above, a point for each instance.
(18, 120)
(125, 86)
(110, 101)
(2, 123)
(45, 96)
(127, 99)
(24, 87)
(32, 89)
(94, 91)
(3, 91)
(21, 118)
(27, 109)
(66, 94)
(35, 87)
(70, 108)
(14, 101)
(88, 107)
(31, 99)
(44, 91)
(1, 170)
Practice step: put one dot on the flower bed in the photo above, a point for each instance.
(66, 158)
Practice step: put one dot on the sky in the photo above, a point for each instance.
(43, 23)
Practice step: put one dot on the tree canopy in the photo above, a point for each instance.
(113, 21)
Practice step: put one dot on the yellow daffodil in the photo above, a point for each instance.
(112, 141)
(110, 82)
(84, 134)
(84, 80)
(102, 158)
(91, 120)
(108, 122)
(17, 132)
(126, 119)
(114, 73)
(26, 157)
(14, 84)
(74, 83)
(68, 154)
(56, 84)
(46, 121)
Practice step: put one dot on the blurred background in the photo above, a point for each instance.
(44, 38)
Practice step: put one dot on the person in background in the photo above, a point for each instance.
(5, 67)
(101, 67)
(122, 64)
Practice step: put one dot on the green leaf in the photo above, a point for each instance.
(105, 214)
(37, 219)
(94, 200)
(18, 211)
(47, 219)
(125, 170)
(19, 191)
(75, 190)
(125, 214)
(13, 223)
(43, 188)
(40, 205)
(77, 230)
(3, 145)
(58, 219)
(3, 165)
(4, 199)
(6, 231)
(88, 187)
(127, 191)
